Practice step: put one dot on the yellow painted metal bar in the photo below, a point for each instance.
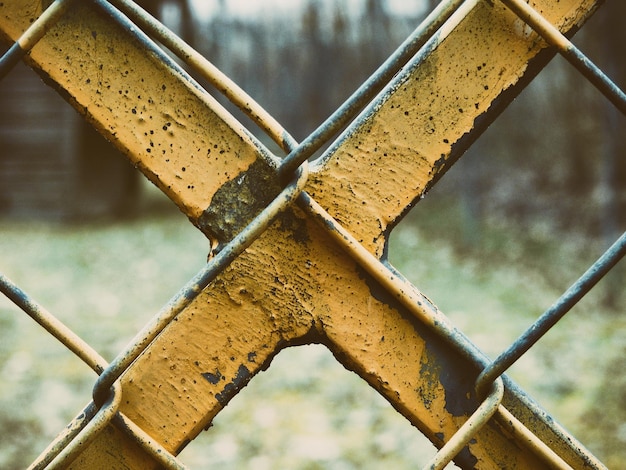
(297, 284)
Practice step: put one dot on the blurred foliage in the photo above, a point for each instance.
(106, 280)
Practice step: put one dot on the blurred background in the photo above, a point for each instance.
(535, 201)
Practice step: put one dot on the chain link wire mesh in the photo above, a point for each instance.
(293, 172)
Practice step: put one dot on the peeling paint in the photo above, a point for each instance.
(238, 201)
(230, 390)
(213, 377)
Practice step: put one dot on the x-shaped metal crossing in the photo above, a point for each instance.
(303, 253)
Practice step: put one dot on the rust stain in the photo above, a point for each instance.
(238, 201)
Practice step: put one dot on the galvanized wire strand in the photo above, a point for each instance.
(235, 94)
(102, 418)
(531, 441)
(64, 438)
(553, 314)
(369, 88)
(573, 55)
(32, 35)
(466, 432)
(201, 280)
(52, 325)
(68, 438)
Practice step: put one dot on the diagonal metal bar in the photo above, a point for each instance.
(431, 112)
(202, 66)
(193, 288)
(295, 284)
(370, 87)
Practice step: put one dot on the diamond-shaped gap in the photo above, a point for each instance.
(304, 412)
(517, 220)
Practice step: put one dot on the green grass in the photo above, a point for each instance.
(495, 287)
(105, 280)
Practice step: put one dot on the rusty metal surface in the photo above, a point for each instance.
(298, 282)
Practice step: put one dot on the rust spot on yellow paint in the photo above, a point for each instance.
(238, 201)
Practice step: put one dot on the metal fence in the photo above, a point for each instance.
(299, 248)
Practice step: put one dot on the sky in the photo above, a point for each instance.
(247, 9)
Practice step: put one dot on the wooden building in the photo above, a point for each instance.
(54, 166)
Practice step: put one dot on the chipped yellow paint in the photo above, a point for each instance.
(296, 284)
